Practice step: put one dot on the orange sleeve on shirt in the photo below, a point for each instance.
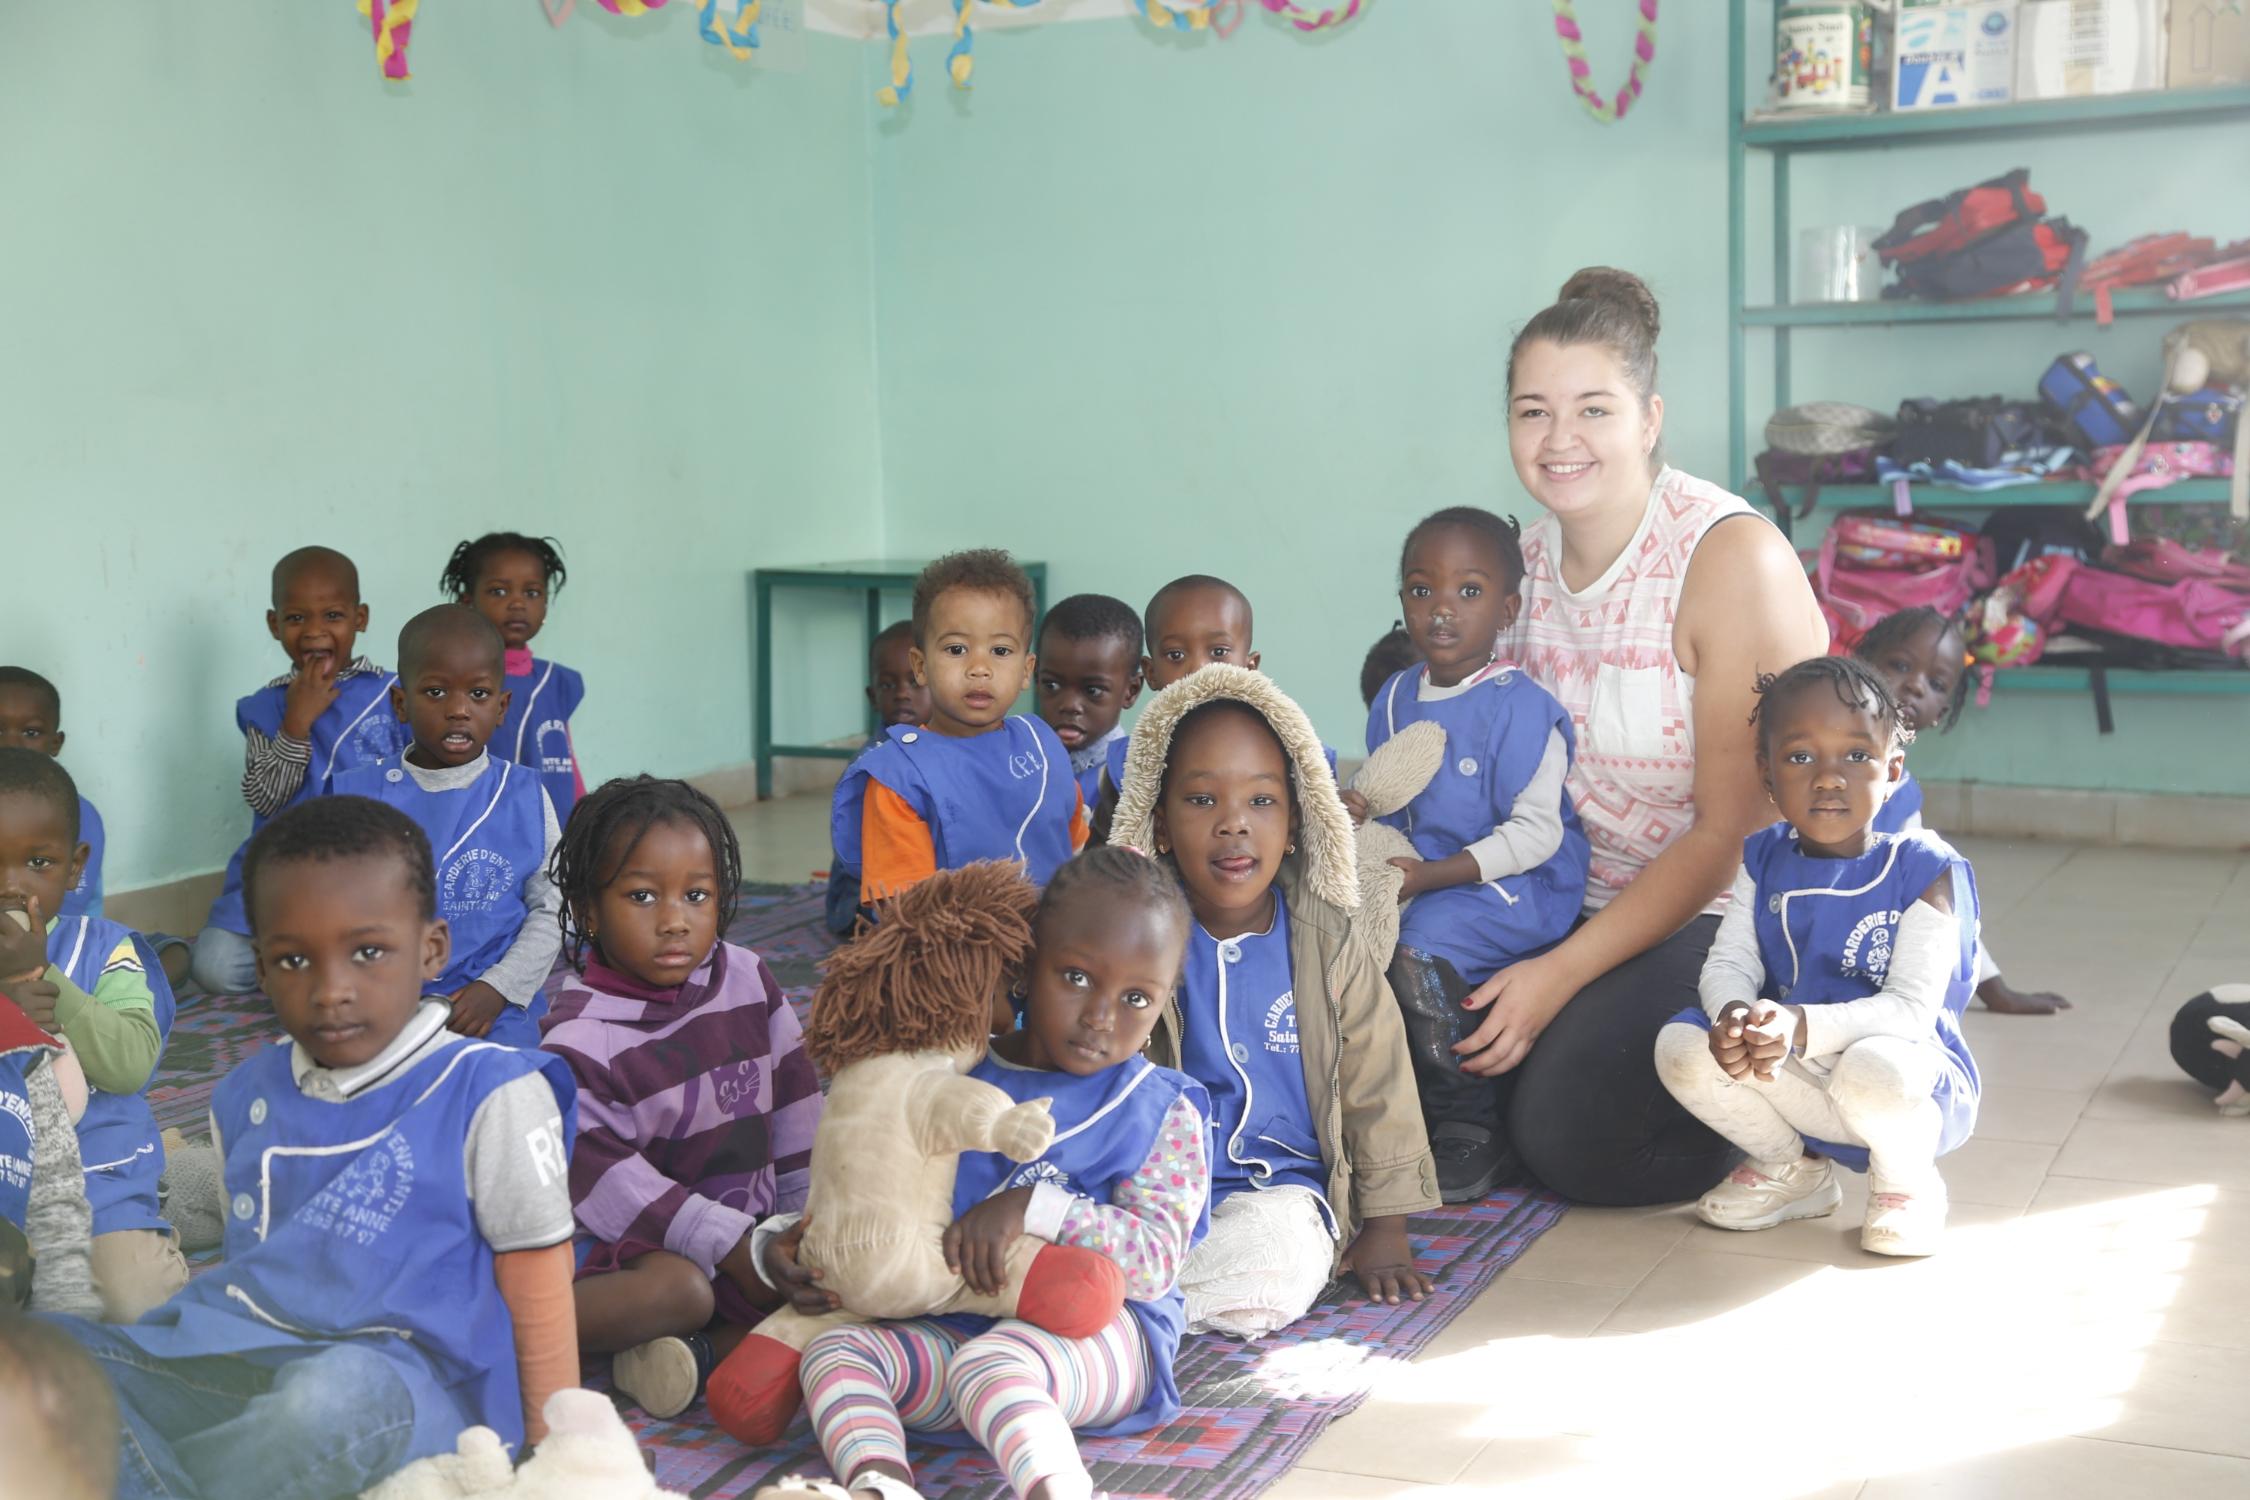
(895, 847)
(536, 1286)
(1081, 824)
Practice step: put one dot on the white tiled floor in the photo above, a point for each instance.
(2085, 1333)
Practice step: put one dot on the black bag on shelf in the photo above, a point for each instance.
(1976, 433)
(2023, 533)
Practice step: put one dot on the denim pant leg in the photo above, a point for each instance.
(330, 1424)
(224, 962)
(159, 1401)
(1429, 998)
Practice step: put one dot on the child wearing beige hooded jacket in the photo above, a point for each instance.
(1318, 1150)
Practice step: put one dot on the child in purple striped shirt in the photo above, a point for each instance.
(696, 1101)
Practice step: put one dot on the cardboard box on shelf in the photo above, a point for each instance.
(2207, 42)
(2071, 48)
(1948, 55)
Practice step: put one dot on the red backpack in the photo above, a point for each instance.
(1943, 226)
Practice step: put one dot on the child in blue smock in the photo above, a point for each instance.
(94, 984)
(510, 578)
(1830, 1029)
(1089, 674)
(1126, 1175)
(329, 712)
(1318, 1154)
(976, 782)
(895, 696)
(1502, 872)
(398, 1225)
(491, 827)
(31, 717)
(1921, 657)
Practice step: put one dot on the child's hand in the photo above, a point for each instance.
(1383, 1261)
(1729, 1048)
(309, 694)
(798, 1282)
(36, 998)
(1355, 803)
(977, 1243)
(2003, 999)
(476, 1005)
(1770, 1031)
(23, 949)
(1417, 873)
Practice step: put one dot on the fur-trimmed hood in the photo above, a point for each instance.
(1324, 864)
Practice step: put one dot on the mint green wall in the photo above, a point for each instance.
(1247, 303)
(600, 282)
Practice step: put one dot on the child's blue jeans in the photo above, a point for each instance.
(329, 1424)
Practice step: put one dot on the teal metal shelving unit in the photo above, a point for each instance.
(1780, 139)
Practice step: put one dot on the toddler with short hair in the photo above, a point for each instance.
(31, 717)
(896, 696)
(490, 823)
(1090, 670)
(976, 782)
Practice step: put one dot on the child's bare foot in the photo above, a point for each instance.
(2002, 1000)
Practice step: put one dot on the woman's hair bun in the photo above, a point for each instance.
(1608, 284)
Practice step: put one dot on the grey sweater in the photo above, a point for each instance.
(58, 1223)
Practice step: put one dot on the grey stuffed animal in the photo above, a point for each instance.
(1392, 777)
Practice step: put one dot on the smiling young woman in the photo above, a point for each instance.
(1652, 602)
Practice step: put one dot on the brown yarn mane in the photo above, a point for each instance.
(926, 977)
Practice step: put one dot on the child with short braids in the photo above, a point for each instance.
(696, 1100)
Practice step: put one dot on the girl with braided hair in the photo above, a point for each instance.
(696, 1099)
(510, 579)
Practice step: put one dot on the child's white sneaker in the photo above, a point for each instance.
(1759, 1197)
(1903, 1224)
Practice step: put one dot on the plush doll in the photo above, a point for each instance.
(1392, 777)
(589, 1452)
(2209, 351)
(902, 1013)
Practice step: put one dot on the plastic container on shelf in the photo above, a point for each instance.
(1824, 55)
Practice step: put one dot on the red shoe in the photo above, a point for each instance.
(754, 1394)
(1072, 1293)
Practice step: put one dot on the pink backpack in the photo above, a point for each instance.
(2197, 612)
(1854, 595)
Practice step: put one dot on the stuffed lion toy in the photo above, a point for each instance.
(901, 1015)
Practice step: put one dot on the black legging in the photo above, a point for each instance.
(1588, 1114)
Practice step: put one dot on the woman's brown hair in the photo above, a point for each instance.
(1605, 306)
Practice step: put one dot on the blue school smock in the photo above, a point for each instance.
(117, 1136)
(1825, 929)
(22, 1045)
(487, 839)
(536, 730)
(1005, 794)
(1496, 734)
(85, 898)
(1238, 1012)
(1901, 811)
(358, 729)
(1106, 1125)
(352, 1220)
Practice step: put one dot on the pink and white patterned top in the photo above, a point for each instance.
(1606, 654)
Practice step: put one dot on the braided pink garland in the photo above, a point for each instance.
(1581, 71)
(1305, 19)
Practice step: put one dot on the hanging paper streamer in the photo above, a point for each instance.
(961, 60)
(1306, 18)
(631, 7)
(558, 11)
(732, 24)
(392, 23)
(1175, 15)
(902, 66)
(1582, 72)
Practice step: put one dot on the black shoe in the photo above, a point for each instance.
(1472, 1161)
